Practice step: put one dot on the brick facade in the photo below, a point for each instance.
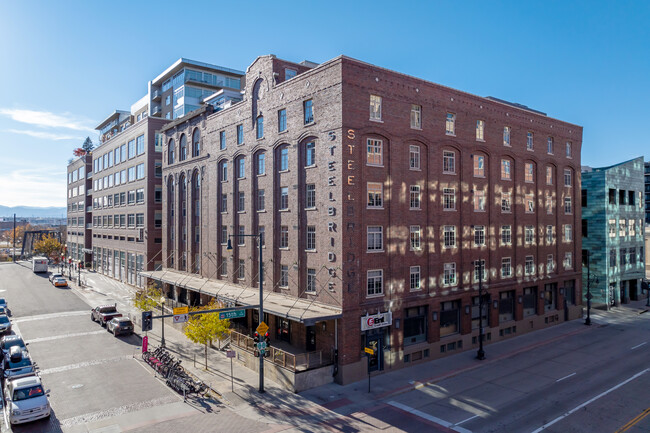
(339, 170)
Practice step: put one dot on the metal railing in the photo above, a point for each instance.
(295, 362)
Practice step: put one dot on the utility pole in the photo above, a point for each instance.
(14, 248)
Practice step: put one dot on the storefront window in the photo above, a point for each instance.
(550, 296)
(506, 306)
(530, 301)
(475, 312)
(415, 325)
(570, 292)
(449, 318)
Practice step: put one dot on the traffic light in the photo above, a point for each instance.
(147, 320)
(256, 338)
(267, 340)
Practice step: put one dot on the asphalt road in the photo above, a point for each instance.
(96, 382)
(591, 381)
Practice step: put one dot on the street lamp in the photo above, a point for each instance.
(480, 355)
(589, 295)
(162, 308)
(261, 311)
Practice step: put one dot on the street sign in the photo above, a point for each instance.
(235, 314)
(230, 354)
(589, 296)
(181, 310)
(368, 350)
(180, 318)
(261, 345)
(262, 328)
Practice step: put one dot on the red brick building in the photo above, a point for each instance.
(381, 198)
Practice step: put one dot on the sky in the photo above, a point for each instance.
(67, 65)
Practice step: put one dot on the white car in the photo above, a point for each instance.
(26, 400)
(53, 276)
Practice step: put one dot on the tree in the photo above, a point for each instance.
(20, 231)
(79, 152)
(88, 145)
(203, 328)
(49, 246)
(147, 298)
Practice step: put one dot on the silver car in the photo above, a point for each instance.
(120, 325)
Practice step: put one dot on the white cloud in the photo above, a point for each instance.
(45, 135)
(29, 186)
(47, 119)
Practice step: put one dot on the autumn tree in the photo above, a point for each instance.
(147, 298)
(48, 246)
(20, 231)
(203, 328)
(79, 152)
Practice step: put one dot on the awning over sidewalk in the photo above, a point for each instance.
(296, 309)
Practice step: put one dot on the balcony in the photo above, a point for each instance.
(157, 109)
(156, 95)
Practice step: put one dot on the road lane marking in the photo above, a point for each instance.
(465, 420)
(57, 337)
(428, 417)
(602, 394)
(50, 316)
(566, 377)
(84, 364)
(634, 421)
(639, 345)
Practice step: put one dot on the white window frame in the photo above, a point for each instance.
(374, 152)
(416, 116)
(529, 266)
(506, 267)
(415, 276)
(506, 136)
(480, 130)
(414, 157)
(506, 235)
(376, 275)
(506, 202)
(448, 162)
(450, 124)
(375, 107)
(479, 236)
(415, 238)
(449, 274)
(529, 140)
(377, 243)
(480, 200)
(375, 187)
(449, 233)
(449, 198)
(415, 197)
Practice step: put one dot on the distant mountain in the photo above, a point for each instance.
(32, 212)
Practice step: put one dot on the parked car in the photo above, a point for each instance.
(120, 325)
(3, 303)
(53, 276)
(3, 310)
(5, 324)
(17, 363)
(26, 400)
(9, 341)
(60, 282)
(104, 313)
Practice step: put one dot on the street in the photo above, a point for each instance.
(569, 378)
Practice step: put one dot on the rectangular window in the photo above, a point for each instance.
(529, 172)
(630, 226)
(116, 152)
(415, 232)
(131, 174)
(262, 233)
(480, 130)
(479, 166)
(241, 231)
(448, 162)
(529, 140)
(374, 152)
(416, 116)
(282, 120)
(375, 195)
(506, 235)
(505, 169)
(529, 267)
(506, 136)
(449, 235)
(449, 198)
(157, 169)
(567, 206)
(415, 197)
(311, 280)
(240, 134)
(139, 220)
(241, 201)
(123, 152)
(622, 227)
(310, 196)
(261, 163)
(241, 269)
(310, 154)
(131, 196)
(131, 147)
(222, 140)
(449, 318)
(529, 235)
(506, 267)
(139, 171)
(224, 171)
(506, 306)
(308, 107)
(567, 177)
(241, 168)
(568, 260)
(415, 278)
(289, 73)
(449, 274)
(139, 195)
(549, 235)
(549, 204)
(530, 203)
(284, 236)
(506, 202)
(284, 159)
(549, 145)
(530, 301)
(568, 149)
(261, 205)
(284, 198)
(131, 220)
(284, 276)
(479, 201)
(223, 269)
(479, 270)
(450, 124)
(224, 203)
(260, 127)
(139, 146)
(549, 175)
(414, 157)
(375, 241)
(479, 236)
(375, 282)
(311, 238)
(375, 107)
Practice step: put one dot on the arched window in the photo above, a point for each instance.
(172, 152)
(196, 142)
(183, 148)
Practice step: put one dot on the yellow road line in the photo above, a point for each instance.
(634, 421)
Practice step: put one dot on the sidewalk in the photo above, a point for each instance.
(328, 406)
